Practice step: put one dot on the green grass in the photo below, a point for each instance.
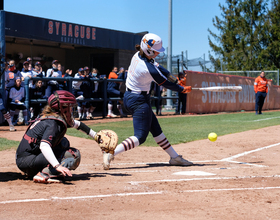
(7, 144)
(182, 129)
(187, 129)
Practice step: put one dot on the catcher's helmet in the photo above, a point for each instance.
(62, 101)
(151, 43)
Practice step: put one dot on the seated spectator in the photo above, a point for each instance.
(38, 70)
(10, 76)
(113, 91)
(29, 60)
(17, 98)
(26, 73)
(37, 93)
(53, 85)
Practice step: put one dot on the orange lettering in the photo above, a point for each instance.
(76, 31)
(63, 29)
(70, 31)
(88, 33)
(50, 30)
(82, 32)
(93, 33)
(57, 27)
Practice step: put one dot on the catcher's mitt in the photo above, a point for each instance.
(107, 140)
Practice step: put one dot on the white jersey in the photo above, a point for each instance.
(142, 72)
(52, 73)
(76, 84)
(26, 74)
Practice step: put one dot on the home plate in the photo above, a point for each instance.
(194, 173)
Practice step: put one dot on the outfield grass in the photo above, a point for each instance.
(182, 129)
(8, 144)
(187, 129)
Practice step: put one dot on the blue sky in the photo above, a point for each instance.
(191, 18)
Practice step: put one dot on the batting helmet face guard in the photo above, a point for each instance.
(63, 101)
(151, 43)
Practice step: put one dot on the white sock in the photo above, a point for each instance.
(110, 108)
(165, 145)
(127, 144)
(79, 111)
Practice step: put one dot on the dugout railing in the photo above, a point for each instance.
(102, 82)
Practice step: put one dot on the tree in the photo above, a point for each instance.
(242, 35)
(272, 53)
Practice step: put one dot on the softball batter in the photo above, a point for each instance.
(142, 71)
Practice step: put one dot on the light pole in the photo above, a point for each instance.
(169, 54)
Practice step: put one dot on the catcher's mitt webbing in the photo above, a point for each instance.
(107, 140)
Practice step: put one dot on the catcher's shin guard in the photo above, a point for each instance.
(71, 158)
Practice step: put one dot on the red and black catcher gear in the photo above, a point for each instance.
(62, 101)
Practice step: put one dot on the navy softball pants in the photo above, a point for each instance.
(144, 119)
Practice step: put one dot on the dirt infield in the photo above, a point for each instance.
(236, 177)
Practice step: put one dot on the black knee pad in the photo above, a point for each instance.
(71, 158)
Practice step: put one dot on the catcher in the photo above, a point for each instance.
(44, 153)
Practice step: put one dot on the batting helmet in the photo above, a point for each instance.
(151, 43)
(62, 101)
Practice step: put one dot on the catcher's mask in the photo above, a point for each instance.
(63, 101)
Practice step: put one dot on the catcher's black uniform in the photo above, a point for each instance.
(29, 157)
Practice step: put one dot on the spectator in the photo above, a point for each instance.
(30, 66)
(182, 81)
(86, 88)
(113, 91)
(76, 85)
(261, 89)
(122, 75)
(64, 84)
(38, 70)
(17, 98)
(6, 114)
(37, 93)
(53, 85)
(10, 76)
(95, 75)
(26, 73)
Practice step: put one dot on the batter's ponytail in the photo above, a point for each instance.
(138, 48)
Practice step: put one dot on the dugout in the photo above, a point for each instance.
(74, 45)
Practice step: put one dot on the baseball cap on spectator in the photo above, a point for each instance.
(25, 62)
(81, 70)
(18, 77)
(29, 59)
(37, 63)
(54, 61)
(86, 68)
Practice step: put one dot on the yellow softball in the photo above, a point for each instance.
(212, 136)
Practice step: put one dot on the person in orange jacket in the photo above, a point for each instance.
(182, 81)
(261, 89)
